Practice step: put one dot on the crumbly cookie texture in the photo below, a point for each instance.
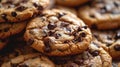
(9, 29)
(71, 3)
(19, 10)
(101, 14)
(110, 41)
(58, 33)
(94, 56)
(29, 60)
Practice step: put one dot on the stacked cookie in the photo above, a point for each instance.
(48, 33)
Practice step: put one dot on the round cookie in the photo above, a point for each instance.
(110, 41)
(9, 29)
(19, 10)
(101, 14)
(94, 56)
(71, 2)
(29, 60)
(58, 33)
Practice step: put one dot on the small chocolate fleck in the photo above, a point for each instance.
(83, 34)
(95, 53)
(117, 47)
(92, 16)
(30, 41)
(67, 41)
(79, 29)
(51, 26)
(21, 8)
(61, 14)
(4, 16)
(35, 4)
(14, 14)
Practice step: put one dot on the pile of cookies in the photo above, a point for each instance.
(59, 33)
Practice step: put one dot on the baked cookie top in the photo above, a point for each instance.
(100, 13)
(110, 41)
(19, 10)
(8, 29)
(94, 56)
(29, 60)
(58, 32)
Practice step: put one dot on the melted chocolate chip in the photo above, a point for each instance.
(30, 42)
(117, 47)
(117, 36)
(95, 53)
(21, 8)
(61, 14)
(14, 14)
(47, 45)
(4, 16)
(23, 65)
(40, 7)
(57, 35)
(64, 24)
(94, 26)
(83, 34)
(85, 27)
(92, 16)
(51, 26)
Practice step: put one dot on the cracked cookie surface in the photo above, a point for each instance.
(101, 14)
(94, 56)
(58, 33)
(19, 10)
(110, 41)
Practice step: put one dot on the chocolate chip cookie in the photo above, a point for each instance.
(71, 2)
(110, 41)
(58, 33)
(7, 29)
(29, 60)
(94, 56)
(19, 10)
(101, 14)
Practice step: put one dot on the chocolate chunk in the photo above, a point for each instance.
(51, 26)
(94, 26)
(47, 45)
(21, 8)
(83, 34)
(95, 53)
(57, 35)
(4, 16)
(92, 16)
(6, 29)
(23, 65)
(117, 36)
(30, 41)
(85, 27)
(117, 47)
(64, 24)
(61, 14)
(14, 14)
(40, 7)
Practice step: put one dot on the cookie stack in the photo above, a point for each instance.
(59, 33)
